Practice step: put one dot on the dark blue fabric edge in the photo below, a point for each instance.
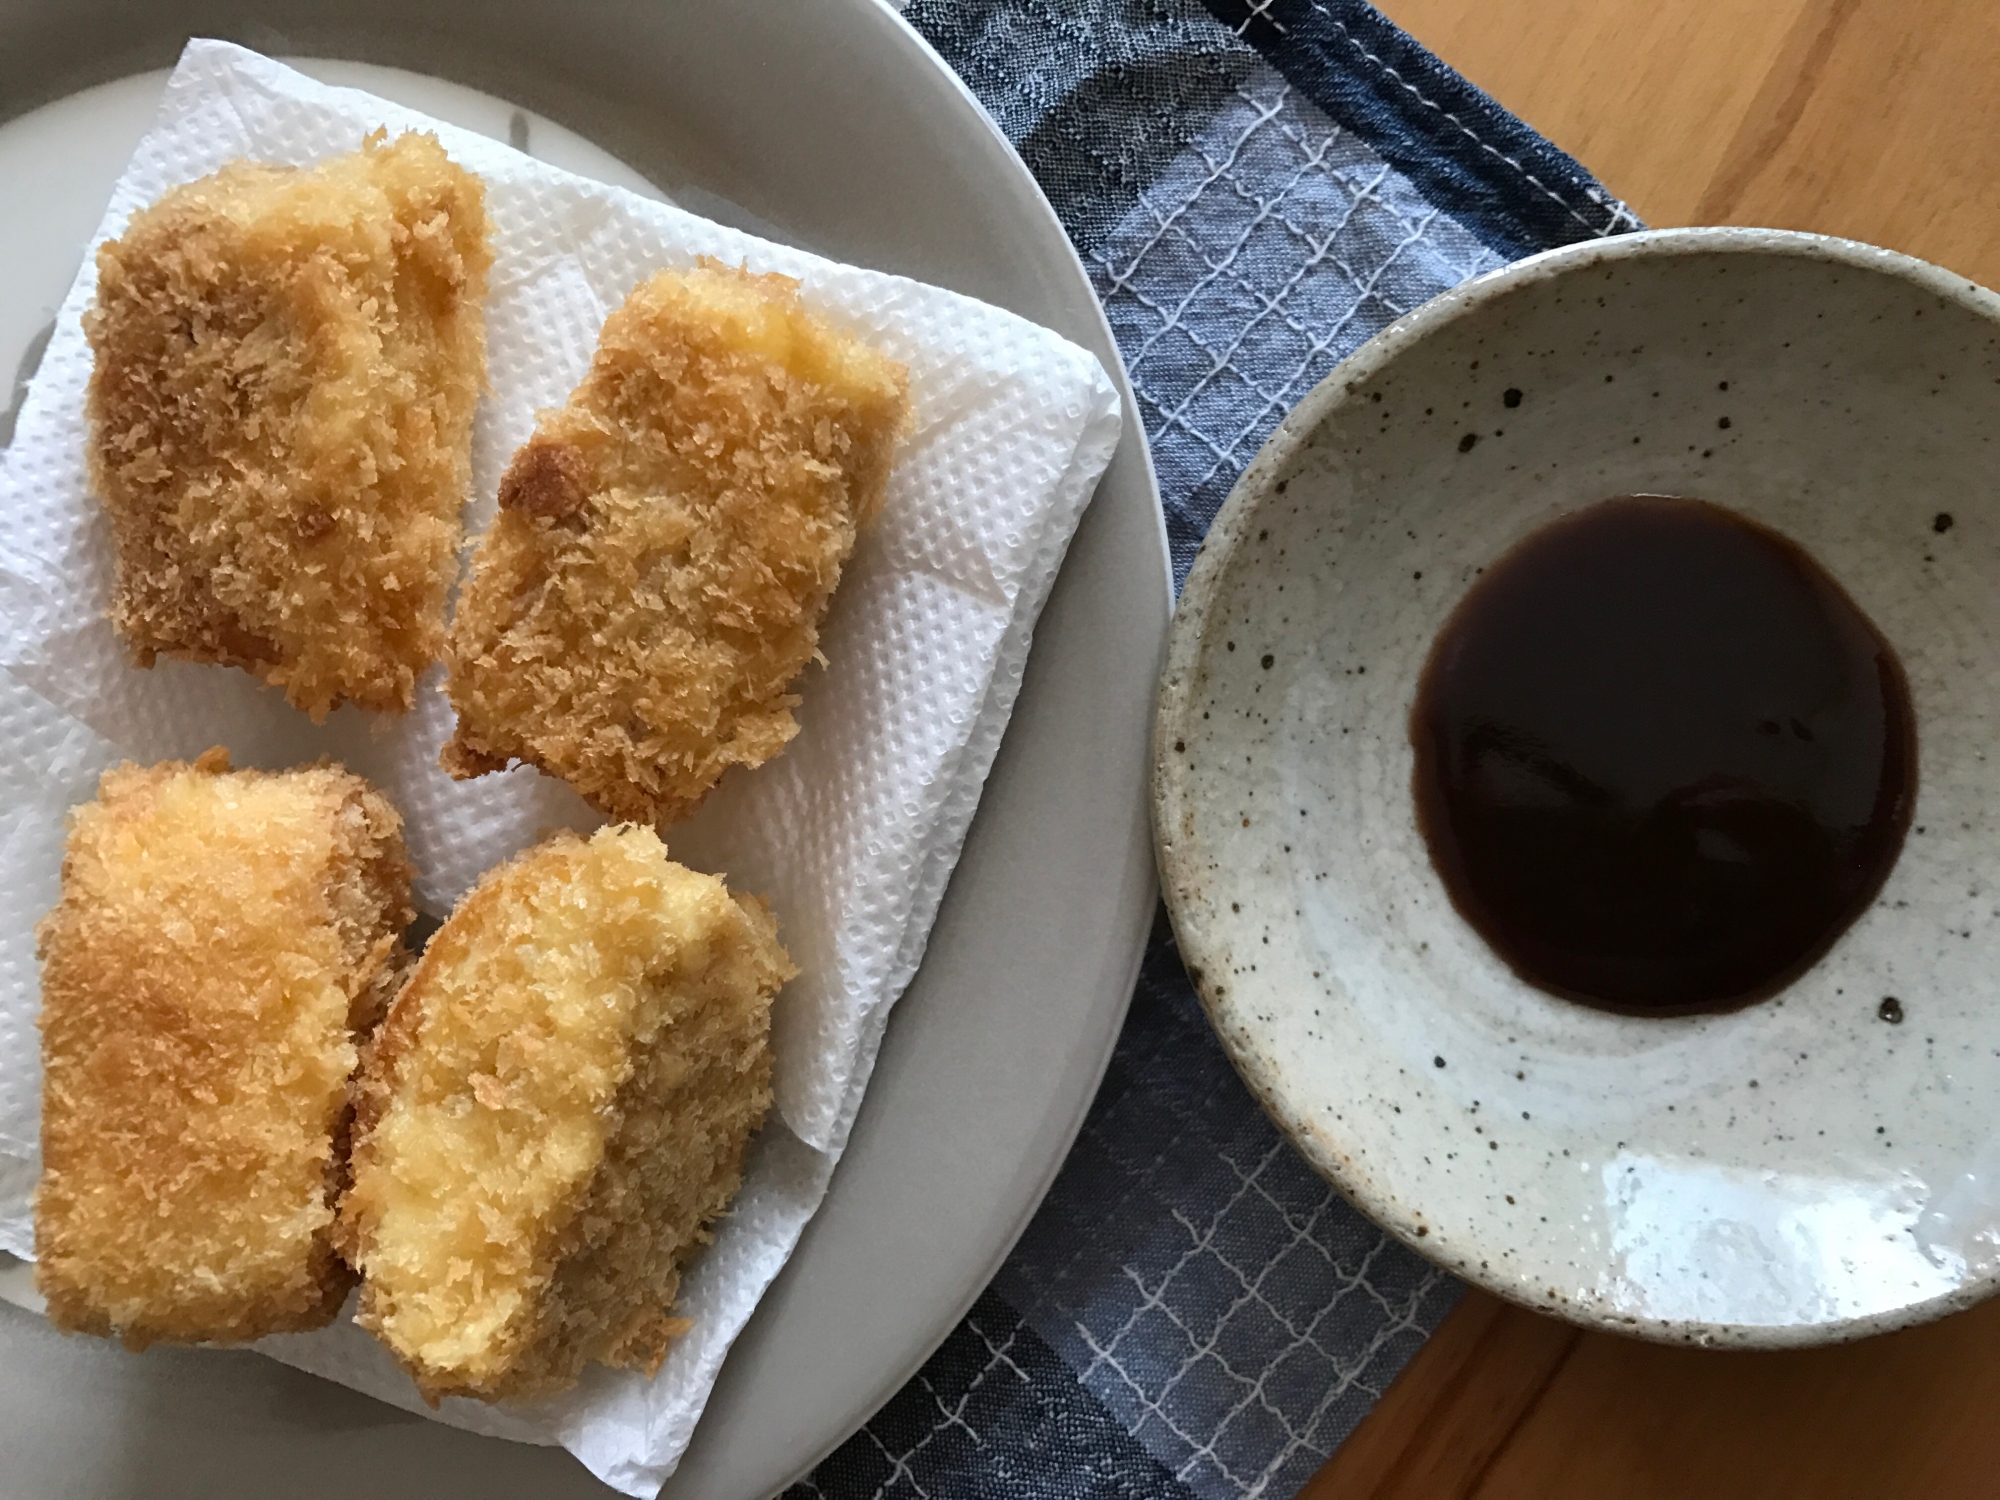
(1515, 190)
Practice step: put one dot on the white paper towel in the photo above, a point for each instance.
(852, 833)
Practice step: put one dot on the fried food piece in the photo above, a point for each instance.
(287, 363)
(553, 1112)
(223, 940)
(667, 542)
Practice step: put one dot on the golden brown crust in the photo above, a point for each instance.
(548, 481)
(553, 1113)
(281, 408)
(644, 603)
(222, 940)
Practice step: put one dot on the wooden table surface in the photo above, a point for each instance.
(1877, 119)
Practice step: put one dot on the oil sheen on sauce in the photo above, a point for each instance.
(1662, 760)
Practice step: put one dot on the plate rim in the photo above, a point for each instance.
(1132, 906)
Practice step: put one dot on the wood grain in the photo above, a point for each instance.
(1877, 119)
(1906, 1415)
(1504, 1404)
(1484, 1371)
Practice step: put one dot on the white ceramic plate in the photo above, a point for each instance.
(1798, 1171)
(830, 124)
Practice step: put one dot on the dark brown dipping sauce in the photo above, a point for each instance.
(1662, 760)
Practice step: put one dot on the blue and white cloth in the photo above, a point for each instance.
(1256, 187)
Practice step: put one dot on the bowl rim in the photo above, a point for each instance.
(1233, 1013)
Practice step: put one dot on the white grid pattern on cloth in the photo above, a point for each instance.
(1272, 247)
(1262, 1316)
(903, 1459)
(1255, 11)
(993, 1414)
(1232, 1312)
(1280, 1318)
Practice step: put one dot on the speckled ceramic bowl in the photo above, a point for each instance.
(1800, 1171)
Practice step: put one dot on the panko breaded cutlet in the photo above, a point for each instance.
(223, 940)
(640, 610)
(555, 1108)
(287, 363)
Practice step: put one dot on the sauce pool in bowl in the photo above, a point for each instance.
(1662, 760)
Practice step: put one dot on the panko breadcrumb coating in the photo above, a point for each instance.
(667, 542)
(223, 941)
(287, 363)
(553, 1112)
